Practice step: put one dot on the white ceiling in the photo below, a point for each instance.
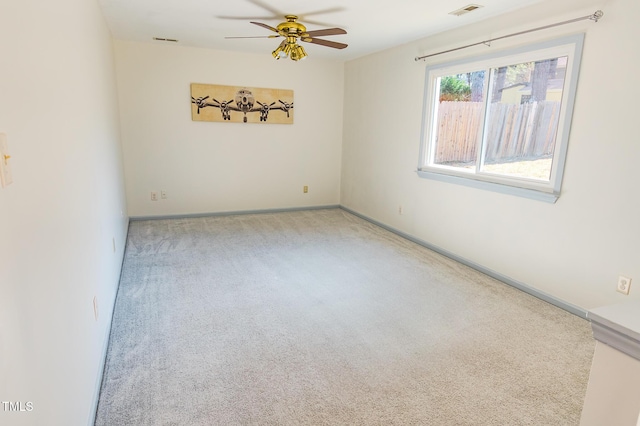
(371, 25)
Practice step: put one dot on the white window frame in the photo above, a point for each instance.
(531, 188)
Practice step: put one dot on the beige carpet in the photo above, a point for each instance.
(321, 318)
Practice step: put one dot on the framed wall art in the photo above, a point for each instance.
(238, 104)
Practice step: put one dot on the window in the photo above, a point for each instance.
(501, 122)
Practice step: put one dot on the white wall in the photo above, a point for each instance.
(215, 167)
(573, 250)
(58, 107)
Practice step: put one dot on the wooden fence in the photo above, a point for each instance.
(524, 131)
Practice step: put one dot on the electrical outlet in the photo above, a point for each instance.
(624, 285)
(305, 189)
(154, 196)
(163, 194)
(400, 210)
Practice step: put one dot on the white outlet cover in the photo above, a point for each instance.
(624, 284)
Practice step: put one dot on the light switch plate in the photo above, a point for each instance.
(5, 168)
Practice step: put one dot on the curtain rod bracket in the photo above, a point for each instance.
(596, 16)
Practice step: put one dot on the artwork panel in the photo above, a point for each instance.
(239, 104)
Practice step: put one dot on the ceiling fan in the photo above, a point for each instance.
(292, 31)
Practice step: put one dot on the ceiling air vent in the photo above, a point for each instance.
(466, 9)
(172, 40)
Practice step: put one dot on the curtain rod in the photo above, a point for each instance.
(594, 17)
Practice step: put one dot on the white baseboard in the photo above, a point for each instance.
(236, 212)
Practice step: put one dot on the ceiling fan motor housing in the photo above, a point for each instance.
(291, 29)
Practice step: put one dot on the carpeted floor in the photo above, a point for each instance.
(320, 318)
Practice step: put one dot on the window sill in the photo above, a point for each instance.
(492, 186)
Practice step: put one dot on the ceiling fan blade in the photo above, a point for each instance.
(324, 11)
(246, 18)
(325, 32)
(306, 16)
(277, 14)
(269, 36)
(327, 43)
(260, 24)
(266, 7)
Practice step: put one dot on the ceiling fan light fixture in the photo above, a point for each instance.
(278, 53)
(298, 53)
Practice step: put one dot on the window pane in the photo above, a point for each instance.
(523, 118)
(459, 119)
